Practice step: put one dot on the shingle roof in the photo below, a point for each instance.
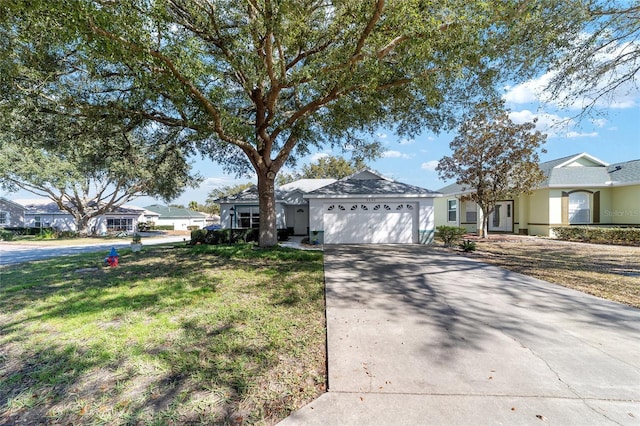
(306, 185)
(249, 195)
(624, 173)
(46, 206)
(353, 185)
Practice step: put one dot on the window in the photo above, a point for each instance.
(579, 207)
(37, 222)
(452, 209)
(4, 218)
(119, 224)
(471, 212)
(248, 217)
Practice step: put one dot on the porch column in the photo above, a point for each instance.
(523, 215)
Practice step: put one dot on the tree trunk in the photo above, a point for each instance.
(82, 226)
(267, 200)
(483, 232)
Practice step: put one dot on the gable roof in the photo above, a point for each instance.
(306, 185)
(367, 183)
(578, 170)
(34, 206)
(12, 203)
(167, 212)
(283, 194)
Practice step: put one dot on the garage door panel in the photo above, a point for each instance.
(369, 223)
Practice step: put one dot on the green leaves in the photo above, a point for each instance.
(493, 156)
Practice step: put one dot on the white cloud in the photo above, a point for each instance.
(217, 182)
(573, 134)
(404, 141)
(429, 166)
(317, 156)
(547, 123)
(395, 154)
(381, 135)
(599, 122)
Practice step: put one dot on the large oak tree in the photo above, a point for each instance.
(89, 167)
(255, 83)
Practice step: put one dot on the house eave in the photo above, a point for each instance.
(359, 196)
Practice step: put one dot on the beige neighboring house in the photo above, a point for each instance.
(578, 190)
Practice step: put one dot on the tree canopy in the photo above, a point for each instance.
(89, 167)
(325, 167)
(604, 61)
(493, 157)
(255, 84)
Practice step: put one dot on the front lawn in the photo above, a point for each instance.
(608, 271)
(174, 335)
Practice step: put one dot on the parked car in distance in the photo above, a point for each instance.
(212, 227)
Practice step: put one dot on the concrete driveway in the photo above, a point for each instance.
(419, 336)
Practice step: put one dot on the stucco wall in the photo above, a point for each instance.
(625, 206)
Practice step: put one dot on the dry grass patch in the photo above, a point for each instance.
(607, 271)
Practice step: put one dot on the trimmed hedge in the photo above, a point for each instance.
(231, 236)
(587, 234)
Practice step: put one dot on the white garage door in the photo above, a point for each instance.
(369, 223)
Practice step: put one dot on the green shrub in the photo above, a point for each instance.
(6, 235)
(467, 246)
(599, 235)
(450, 234)
(198, 236)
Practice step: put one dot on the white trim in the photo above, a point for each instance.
(583, 155)
(368, 197)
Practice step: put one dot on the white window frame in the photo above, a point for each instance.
(576, 200)
(252, 213)
(452, 210)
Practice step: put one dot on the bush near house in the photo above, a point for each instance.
(231, 236)
(586, 234)
(450, 235)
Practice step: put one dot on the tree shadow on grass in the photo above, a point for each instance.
(202, 369)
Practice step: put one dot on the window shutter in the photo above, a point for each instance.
(565, 208)
(596, 207)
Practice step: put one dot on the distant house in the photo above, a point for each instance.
(11, 214)
(181, 219)
(364, 208)
(44, 213)
(578, 190)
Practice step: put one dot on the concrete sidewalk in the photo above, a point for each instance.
(419, 336)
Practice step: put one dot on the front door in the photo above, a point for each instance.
(301, 221)
(501, 219)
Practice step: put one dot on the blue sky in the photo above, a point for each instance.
(613, 135)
